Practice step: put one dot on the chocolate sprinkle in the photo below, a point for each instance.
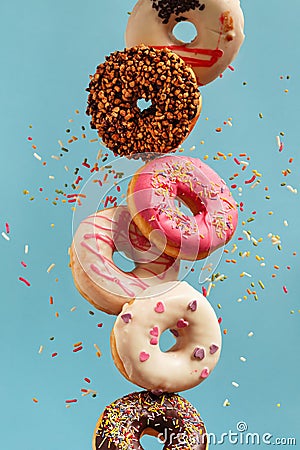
(159, 76)
(166, 8)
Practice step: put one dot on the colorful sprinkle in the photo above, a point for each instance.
(50, 267)
(24, 281)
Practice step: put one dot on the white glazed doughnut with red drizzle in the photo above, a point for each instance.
(219, 25)
(176, 306)
(151, 200)
(95, 274)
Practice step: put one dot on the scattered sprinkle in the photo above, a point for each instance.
(37, 156)
(291, 189)
(98, 353)
(4, 235)
(24, 281)
(50, 267)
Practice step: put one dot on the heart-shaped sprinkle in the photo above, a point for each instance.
(144, 356)
(193, 305)
(159, 308)
(182, 323)
(199, 353)
(154, 332)
(175, 333)
(154, 341)
(126, 317)
(213, 349)
(205, 372)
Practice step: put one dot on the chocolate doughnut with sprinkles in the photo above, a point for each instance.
(158, 76)
(169, 417)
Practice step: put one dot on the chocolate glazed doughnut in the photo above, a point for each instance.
(169, 417)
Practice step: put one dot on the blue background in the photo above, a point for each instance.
(48, 49)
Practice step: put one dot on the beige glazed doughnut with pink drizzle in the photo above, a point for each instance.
(219, 25)
(176, 306)
(95, 274)
(151, 199)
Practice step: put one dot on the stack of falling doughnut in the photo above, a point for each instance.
(151, 230)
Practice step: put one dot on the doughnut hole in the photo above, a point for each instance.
(143, 104)
(185, 32)
(166, 341)
(153, 442)
(189, 205)
(123, 262)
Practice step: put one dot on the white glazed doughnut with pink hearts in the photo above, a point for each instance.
(219, 25)
(176, 306)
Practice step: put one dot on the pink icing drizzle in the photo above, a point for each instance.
(112, 273)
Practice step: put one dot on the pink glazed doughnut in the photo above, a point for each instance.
(151, 201)
(176, 306)
(95, 274)
(219, 25)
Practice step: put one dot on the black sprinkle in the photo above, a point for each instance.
(166, 8)
(180, 19)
